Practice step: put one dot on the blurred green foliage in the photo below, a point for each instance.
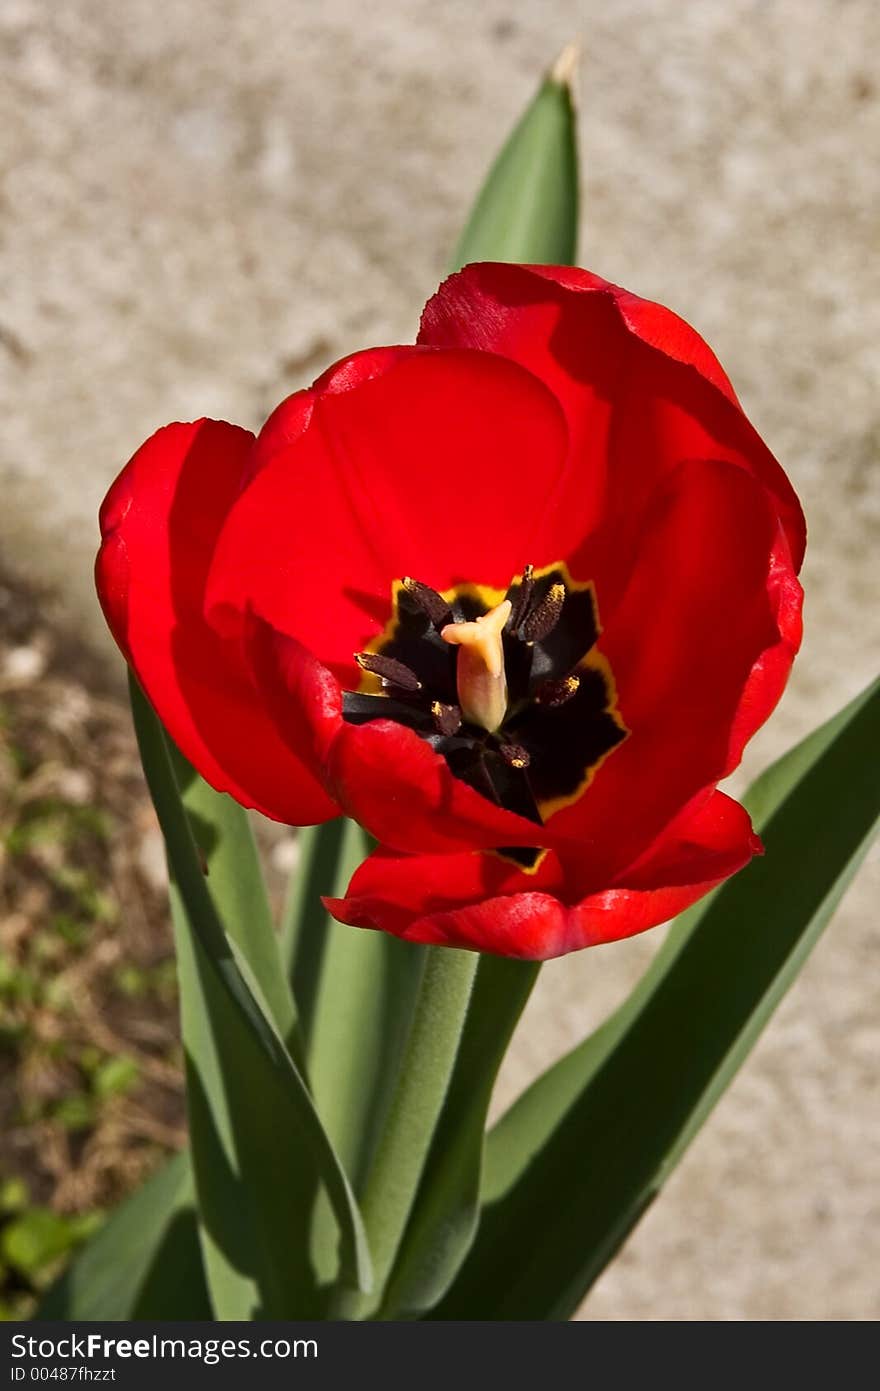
(35, 1244)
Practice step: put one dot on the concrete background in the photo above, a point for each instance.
(203, 205)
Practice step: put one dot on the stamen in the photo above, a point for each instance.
(540, 623)
(428, 600)
(554, 693)
(392, 672)
(515, 755)
(447, 718)
(480, 674)
(521, 604)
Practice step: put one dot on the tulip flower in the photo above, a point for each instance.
(514, 598)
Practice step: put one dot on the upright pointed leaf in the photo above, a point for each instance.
(446, 1210)
(575, 1162)
(253, 1122)
(222, 831)
(422, 1084)
(144, 1263)
(362, 992)
(363, 1010)
(321, 864)
(527, 209)
(252, 1168)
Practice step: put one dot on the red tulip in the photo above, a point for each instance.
(514, 598)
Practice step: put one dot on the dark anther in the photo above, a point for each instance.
(544, 617)
(428, 600)
(514, 755)
(521, 604)
(447, 718)
(390, 670)
(554, 693)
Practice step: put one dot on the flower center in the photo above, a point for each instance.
(507, 687)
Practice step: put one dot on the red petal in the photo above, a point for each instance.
(289, 420)
(770, 673)
(418, 462)
(159, 525)
(696, 653)
(419, 897)
(640, 389)
(480, 902)
(619, 913)
(710, 840)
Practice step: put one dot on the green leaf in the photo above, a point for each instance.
(14, 1194)
(355, 993)
(222, 831)
(256, 1137)
(115, 1076)
(527, 209)
(446, 1210)
(35, 1239)
(322, 864)
(421, 1088)
(144, 1263)
(360, 1016)
(575, 1162)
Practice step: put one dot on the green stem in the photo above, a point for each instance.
(422, 1085)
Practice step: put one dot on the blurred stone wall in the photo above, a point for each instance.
(203, 204)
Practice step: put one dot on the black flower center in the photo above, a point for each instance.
(557, 720)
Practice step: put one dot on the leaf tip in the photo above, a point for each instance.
(564, 71)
